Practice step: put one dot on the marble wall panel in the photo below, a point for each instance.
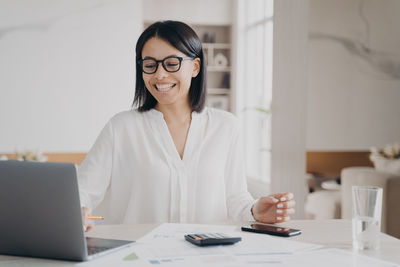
(354, 74)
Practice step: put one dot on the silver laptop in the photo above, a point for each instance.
(40, 213)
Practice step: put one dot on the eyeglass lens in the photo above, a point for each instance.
(170, 64)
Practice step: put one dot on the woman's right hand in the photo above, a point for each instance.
(87, 223)
(274, 208)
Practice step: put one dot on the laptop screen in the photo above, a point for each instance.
(40, 211)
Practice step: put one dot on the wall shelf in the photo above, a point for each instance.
(217, 46)
(218, 68)
(218, 91)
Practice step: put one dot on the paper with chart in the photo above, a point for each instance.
(167, 244)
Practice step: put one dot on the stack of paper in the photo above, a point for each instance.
(166, 244)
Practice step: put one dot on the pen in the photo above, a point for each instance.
(96, 218)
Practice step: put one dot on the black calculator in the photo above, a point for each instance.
(211, 239)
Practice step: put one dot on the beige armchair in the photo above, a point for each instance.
(391, 195)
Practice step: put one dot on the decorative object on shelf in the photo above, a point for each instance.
(226, 81)
(30, 155)
(218, 101)
(387, 159)
(209, 37)
(206, 56)
(330, 185)
(220, 60)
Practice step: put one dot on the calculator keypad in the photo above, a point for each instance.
(210, 239)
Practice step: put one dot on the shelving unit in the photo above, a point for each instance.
(217, 46)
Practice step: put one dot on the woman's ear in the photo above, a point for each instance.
(196, 67)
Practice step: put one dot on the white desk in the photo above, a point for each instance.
(330, 233)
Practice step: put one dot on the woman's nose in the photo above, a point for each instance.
(161, 72)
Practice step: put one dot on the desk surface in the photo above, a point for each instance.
(330, 233)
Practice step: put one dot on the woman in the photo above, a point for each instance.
(171, 159)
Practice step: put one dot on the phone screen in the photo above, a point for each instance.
(270, 229)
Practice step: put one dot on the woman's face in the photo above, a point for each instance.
(169, 88)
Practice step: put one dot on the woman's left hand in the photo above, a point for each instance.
(274, 208)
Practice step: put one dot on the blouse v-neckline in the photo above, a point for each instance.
(164, 133)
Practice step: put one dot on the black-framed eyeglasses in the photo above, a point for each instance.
(170, 64)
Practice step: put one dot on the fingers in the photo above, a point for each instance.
(284, 212)
(284, 196)
(87, 224)
(281, 219)
(282, 215)
(280, 197)
(286, 205)
(275, 208)
(269, 200)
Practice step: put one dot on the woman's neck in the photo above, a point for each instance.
(175, 113)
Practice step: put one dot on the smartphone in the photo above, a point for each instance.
(271, 230)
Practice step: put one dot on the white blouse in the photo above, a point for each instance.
(136, 160)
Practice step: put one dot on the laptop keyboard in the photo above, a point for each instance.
(96, 246)
(95, 250)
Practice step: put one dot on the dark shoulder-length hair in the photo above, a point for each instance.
(184, 39)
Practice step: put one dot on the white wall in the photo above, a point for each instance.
(354, 74)
(204, 12)
(65, 68)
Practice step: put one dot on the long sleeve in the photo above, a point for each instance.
(239, 201)
(95, 171)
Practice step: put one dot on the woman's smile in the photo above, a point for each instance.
(164, 87)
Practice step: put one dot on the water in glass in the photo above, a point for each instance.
(366, 232)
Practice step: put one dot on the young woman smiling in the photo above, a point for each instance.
(170, 158)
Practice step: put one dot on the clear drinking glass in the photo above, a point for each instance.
(367, 213)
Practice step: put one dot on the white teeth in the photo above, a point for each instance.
(164, 87)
